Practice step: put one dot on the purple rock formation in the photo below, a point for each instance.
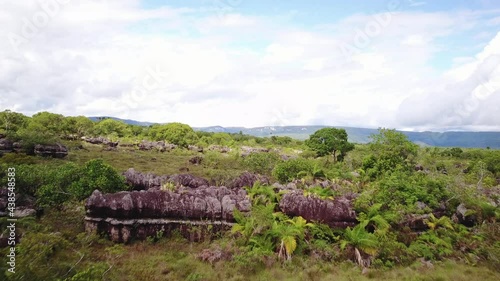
(335, 213)
(248, 180)
(125, 215)
(141, 181)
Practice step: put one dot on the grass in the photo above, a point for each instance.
(222, 168)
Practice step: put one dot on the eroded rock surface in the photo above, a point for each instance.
(100, 140)
(248, 180)
(56, 150)
(145, 181)
(125, 215)
(335, 213)
(158, 145)
(192, 204)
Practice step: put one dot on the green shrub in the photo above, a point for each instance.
(288, 170)
(262, 163)
(97, 175)
(93, 272)
(36, 258)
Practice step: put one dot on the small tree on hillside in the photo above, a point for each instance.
(328, 141)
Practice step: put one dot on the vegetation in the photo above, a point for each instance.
(330, 141)
(265, 244)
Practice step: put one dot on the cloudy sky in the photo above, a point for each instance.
(406, 64)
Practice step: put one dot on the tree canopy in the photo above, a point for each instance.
(328, 141)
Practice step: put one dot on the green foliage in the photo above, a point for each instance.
(289, 170)
(35, 254)
(261, 163)
(320, 192)
(97, 175)
(400, 188)
(361, 239)
(391, 151)
(431, 246)
(453, 152)
(262, 194)
(377, 219)
(55, 184)
(175, 133)
(78, 126)
(328, 141)
(93, 272)
(111, 128)
(11, 122)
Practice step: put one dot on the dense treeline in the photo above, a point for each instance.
(46, 127)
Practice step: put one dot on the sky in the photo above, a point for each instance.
(405, 64)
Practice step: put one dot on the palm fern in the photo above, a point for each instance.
(377, 218)
(362, 240)
(443, 221)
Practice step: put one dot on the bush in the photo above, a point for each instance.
(288, 170)
(36, 258)
(262, 163)
(97, 175)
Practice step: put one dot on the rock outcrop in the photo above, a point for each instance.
(219, 148)
(140, 214)
(6, 145)
(56, 150)
(100, 140)
(195, 148)
(248, 180)
(465, 216)
(195, 208)
(335, 213)
(141, 181)
(158, 145)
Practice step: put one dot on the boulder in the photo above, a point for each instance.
(416, 223)
(100, 140)
(56, 150)
(158, 145)
(219, 148)
(18, 146)
(196, 160)
(465, 216)
(246, 150)
(195, 148)
(335, 213)
(6, 145)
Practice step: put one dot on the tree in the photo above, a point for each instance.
(111, 127)
(175, 133)
(42, 128)
(78, 125)
(10, 121)
(50, 122)
(391, 151)
(328, 141)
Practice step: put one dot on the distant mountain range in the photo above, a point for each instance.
(357, 135)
